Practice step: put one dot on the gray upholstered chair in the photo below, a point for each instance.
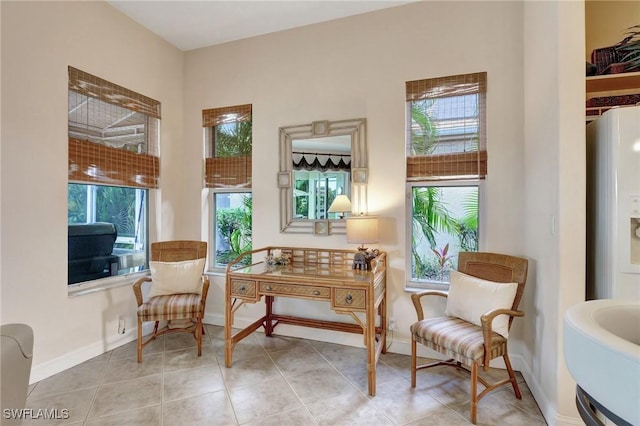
(466, 344)
(179, 306)
(16, 346)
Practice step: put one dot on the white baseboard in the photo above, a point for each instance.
(80, 355)
(546, 406)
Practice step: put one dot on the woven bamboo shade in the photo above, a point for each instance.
(112, 133)
(447, 165)
(95, 163)
(440, 87)
(448, 138)
(216, 116)
(98, 88)
(230, 171)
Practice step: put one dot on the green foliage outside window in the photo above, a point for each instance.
(233, 139)
(234, 226)
(423, 129)
(77, 203)
(113, 204)
(433, 216)
(302, 201)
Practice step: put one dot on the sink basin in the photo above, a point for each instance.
(602, 353)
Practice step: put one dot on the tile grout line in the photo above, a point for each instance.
(100, 383)
(227, 390)
(289, 384)
(161, 415)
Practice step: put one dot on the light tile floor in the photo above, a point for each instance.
(273, 381)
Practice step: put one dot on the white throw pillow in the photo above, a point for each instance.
(470, 298)
(176, 277)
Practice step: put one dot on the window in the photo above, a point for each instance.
(113, 165)
(232, 219)
(444, 221)
(446, 163)
(127, 209)
(228, 140)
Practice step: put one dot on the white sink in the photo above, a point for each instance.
(602, 352)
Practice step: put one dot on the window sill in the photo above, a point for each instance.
(88, 287)
(414, 286)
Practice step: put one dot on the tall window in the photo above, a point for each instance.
(228, 139)
(113, 163)
(446, 162)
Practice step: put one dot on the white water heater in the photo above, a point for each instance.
(613, 205)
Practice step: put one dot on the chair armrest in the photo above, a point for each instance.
(205, 291)
(137, 289)
(415, 298)
(487, 318)
(486, 321)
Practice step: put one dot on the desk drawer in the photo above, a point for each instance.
(348, 298)
(295, 290)
(244, 289)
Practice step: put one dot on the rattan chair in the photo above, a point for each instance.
(467, 345)
(184, 306)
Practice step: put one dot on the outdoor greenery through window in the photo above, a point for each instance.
(228, 175)
(232, 139)
(446, 161)
(444, 222)
(232, 218)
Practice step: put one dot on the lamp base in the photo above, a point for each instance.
(362, 259)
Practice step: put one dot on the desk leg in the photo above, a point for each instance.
(370, 339)
(382, 311)
(228, 323)
(268, 327)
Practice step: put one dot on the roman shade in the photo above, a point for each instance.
(232, 168)
(113, 133)
(446, 127)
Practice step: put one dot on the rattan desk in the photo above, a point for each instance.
(313, 274)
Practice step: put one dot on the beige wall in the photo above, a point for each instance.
(348, 68)
(606, 22)
(357, 67)
(554, 195)
(39, 41)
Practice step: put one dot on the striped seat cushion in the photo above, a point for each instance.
(456, 338)
(174, 306)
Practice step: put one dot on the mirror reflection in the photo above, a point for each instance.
(321, 172)
(322, 175)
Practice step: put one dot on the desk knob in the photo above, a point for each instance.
(269, 288)
(243, 288)
(349, 299)
(316, 292)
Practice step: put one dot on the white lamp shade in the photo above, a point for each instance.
(362, 229)
(340, 204)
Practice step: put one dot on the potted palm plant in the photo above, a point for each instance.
(629, 49)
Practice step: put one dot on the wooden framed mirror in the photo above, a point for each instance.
(319, 161)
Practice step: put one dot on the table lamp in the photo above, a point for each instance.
(340, 205)
(362, 230)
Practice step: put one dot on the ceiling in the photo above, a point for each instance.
(191, 25)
